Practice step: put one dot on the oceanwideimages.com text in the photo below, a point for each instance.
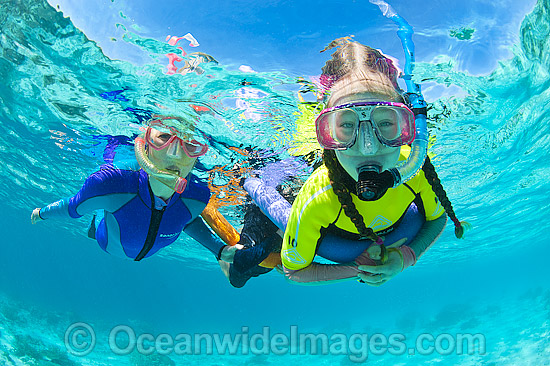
(80, 340)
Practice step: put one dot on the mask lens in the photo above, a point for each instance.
(387, 121)
(195, 148)
(345, 126)
(159, 136)
(337, 129)
(395, 126)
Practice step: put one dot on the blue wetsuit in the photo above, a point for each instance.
(126, 203)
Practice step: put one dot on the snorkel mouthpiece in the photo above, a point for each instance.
(180, 185)
(171, 180)
(371, 184)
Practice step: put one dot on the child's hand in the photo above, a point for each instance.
(228, 252)
(376, 275)
(35, 216)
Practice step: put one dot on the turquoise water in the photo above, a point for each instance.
(491, 132)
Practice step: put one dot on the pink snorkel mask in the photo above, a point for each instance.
(168, 135)
(338, 127)
(167, 139)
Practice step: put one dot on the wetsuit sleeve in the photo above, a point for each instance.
(195, 198)
(309, 214)
(57, 209)
(431, 229)
(106, 189)
(198, 230)
(321, 274)
(307, 217)
(426, 237)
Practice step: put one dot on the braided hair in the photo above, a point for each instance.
(437, 187)
(353, 62)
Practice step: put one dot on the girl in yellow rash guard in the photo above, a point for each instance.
(362, 133)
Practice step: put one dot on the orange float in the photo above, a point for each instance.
(229, 235)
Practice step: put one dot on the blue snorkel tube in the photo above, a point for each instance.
(376, 184)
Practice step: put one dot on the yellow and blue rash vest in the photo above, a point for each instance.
(317, 211)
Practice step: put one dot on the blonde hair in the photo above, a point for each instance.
(356, 68)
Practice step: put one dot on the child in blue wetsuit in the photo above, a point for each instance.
(145, 204)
